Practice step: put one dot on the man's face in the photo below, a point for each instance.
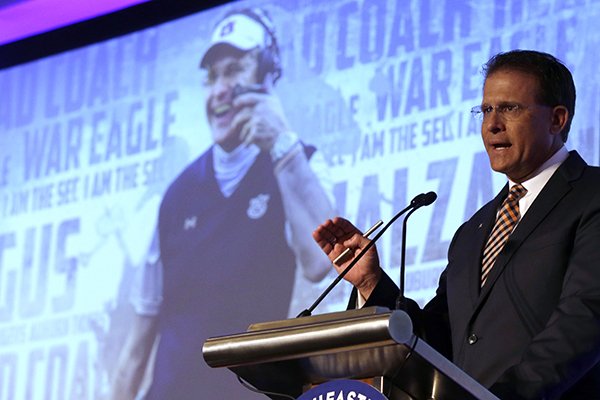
(518, 143)
(224, 74)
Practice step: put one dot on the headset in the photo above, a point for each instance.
(269, 61)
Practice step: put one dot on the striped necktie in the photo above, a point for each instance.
(506, 221)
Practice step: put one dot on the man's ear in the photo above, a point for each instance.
(560, 116)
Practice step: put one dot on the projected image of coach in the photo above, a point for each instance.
(233, 226)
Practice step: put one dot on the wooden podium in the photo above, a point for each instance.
(371, 344)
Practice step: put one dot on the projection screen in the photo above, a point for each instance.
(378, 93)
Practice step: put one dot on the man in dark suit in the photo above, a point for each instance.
(518, 305)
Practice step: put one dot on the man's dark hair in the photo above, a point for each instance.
(556, 86)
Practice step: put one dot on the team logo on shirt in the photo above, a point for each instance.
(190, 223)
(257, 207)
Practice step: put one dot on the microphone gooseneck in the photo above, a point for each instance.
(424, 199)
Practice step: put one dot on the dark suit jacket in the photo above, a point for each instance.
(533, 331)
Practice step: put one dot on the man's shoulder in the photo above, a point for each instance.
(197, 171)
(579, 175)
(592, 172)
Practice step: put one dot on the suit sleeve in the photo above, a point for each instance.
(384, 294)
(431, 324)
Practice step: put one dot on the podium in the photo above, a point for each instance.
(371, 344)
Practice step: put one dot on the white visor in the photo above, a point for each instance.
(238, 31)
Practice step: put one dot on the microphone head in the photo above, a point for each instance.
(429, 198)
(423, 199)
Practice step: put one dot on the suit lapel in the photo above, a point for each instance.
(556, 188)
(484, 223)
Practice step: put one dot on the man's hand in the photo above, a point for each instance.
(260, 119)
(337, 235)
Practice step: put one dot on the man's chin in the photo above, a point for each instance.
(499, 167)
(499, 162)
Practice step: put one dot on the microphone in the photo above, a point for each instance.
(419, 201)
(239, 90)
(424, 199)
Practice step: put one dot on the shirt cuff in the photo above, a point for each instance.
(360, 300)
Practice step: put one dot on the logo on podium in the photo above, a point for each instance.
(343, 390)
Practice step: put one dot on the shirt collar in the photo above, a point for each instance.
(230, 168)
(541, 176)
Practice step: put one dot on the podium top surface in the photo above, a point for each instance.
(319, 318)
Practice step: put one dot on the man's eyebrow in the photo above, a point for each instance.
(501, 103)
